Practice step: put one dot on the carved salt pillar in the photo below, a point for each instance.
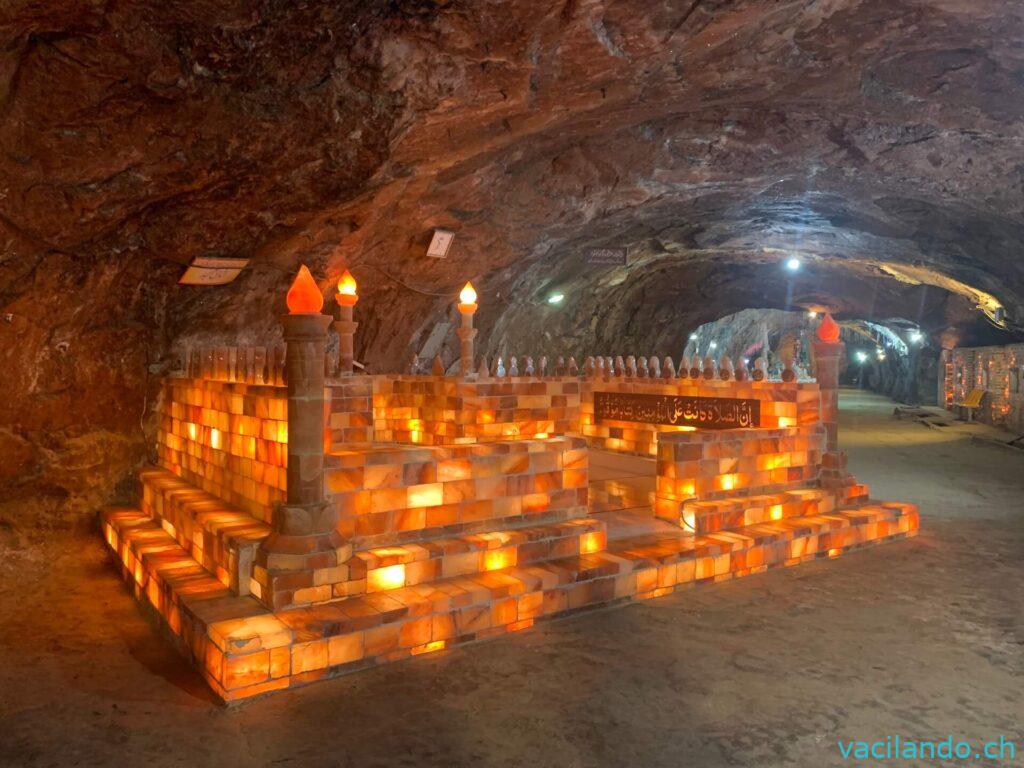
(669, 368)
(709, 367)
(725, 371)
(760, 369)
(304, 535)
(695, 368)
(741, 370)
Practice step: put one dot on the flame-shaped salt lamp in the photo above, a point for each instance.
(468, 294)
(304, 297)
(828, 330)
(347, 295)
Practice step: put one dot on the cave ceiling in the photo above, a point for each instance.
(879, 140)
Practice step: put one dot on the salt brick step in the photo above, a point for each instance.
(245, 650)
(702, 517)
(423, 561)
(220, 537)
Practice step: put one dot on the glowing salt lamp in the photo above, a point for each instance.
(828, 330)
(344, 325)
(467, 306)
(304, 297)
(467, 297)
(347, 295)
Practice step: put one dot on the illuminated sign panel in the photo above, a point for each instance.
(679, 411)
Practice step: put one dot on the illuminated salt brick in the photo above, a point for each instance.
(431, 647)
(496, 559)
(592, 542)
(389, 577)
(308, 657)
(442, 626)
(381, 640)
(530, 605)
(415, 632)
(248, 669)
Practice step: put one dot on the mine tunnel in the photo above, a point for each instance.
(674, 348)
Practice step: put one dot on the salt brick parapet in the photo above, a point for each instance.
(228, 439)
(439, 410)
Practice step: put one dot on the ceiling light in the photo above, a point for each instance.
(713, 345)
(793, 264)
(812, 314)
(693, 337)
(861, 356)
(556, 298)
(916, 336)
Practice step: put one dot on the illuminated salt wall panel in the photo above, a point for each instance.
(782, 405)
(437, 410)
(393, 494)
(228, 439)
(999, 371)
(709, 464)
(350, 415)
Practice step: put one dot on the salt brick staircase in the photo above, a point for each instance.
(186, 554)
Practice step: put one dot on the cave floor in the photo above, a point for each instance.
(921, 638)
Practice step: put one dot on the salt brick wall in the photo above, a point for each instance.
(392, 494)
(438, 410)
(782, 404)
(1001, 406)
(228, 439)
(710, 464)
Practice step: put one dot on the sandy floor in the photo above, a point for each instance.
(922, 638)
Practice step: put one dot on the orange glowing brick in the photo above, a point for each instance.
(429, 495)
(834, 552)
(496, 559)
(775, 512)
(592, 542)
(390, 577)
(435, 645)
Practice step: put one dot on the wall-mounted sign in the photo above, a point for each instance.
(212, 271)
(618, 257)
(440, 243)
(674, 410)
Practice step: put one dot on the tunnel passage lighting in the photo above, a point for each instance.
(812, 314)
(862, 356)
(793, 264)
(916, 337)
(556, 298)
(713, 345)
(693, 337)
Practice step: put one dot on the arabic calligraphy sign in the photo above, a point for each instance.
(704, 412)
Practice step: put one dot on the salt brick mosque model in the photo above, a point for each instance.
(298, 526)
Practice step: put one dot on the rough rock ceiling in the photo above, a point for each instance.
(709, 136)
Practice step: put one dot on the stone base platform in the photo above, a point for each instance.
(245, 650)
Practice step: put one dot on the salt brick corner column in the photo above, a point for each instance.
(304, 538)
(827, 351)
